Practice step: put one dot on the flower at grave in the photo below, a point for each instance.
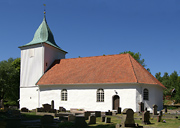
(164, 121)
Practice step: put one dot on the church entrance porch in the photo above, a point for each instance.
(115, 102)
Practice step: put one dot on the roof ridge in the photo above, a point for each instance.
(95, 56)
(133, 67)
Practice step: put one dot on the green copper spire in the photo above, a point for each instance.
(43, 35)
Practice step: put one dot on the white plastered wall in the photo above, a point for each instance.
(84, 96)
(29, 97)
(155, 96)
(51, 54)
(31, 66)
(32, 58)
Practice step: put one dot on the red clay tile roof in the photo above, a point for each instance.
(122, 68)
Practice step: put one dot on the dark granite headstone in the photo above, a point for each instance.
(166, 109)
(62, 109)
(119, 110)
(146, 117)
(108, 113)
(92, 119)
(160, 113)
(39, 109)
(159, 116)
(128, 118)
(155, 109)
(145, 109)
(80, 122)
(103, 118)
(47, 107)
(98, 113)
(141, 107)
(107, 120)
(86, 115)
(24, 109)
(52, 104)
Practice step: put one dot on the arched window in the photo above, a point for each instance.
(64, 95)
(146, 94)
(100, 95)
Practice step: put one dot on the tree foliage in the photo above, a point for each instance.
(10, 79)
(171, 82)
(136, 56)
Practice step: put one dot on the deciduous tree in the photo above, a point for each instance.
(10, 79)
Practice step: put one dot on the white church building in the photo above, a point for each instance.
(97, 83)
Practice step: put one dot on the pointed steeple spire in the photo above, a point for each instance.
(43, 35)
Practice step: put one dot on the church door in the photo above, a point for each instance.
(115, 102)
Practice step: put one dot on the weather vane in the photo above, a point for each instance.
(44, 9)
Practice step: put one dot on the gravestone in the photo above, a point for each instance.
(39, 109)
(71, 118)
(165, 109)
(161, 113)
(145, 109)
(47, 119)
(47, 107)
(119, 110)
(52, 111)
(103, 118)
(98, 113)
(108, 113)
(80, 122)
(107, 120)
(141, 107)
(92, 119)
(159, 116)
(146, 117)
(86, 115)
(155, 109)
(24, 109)
(52, 104)
(128, 118)
(62, 109)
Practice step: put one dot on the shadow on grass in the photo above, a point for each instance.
(30, 116)
(150, 124)
(103, 126)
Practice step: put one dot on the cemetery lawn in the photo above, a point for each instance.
(170, 123)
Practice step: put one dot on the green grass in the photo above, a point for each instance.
(170, 123)
(100, 124)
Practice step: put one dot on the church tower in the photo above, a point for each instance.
(36, 57)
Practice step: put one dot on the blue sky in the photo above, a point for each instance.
(96, 27)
